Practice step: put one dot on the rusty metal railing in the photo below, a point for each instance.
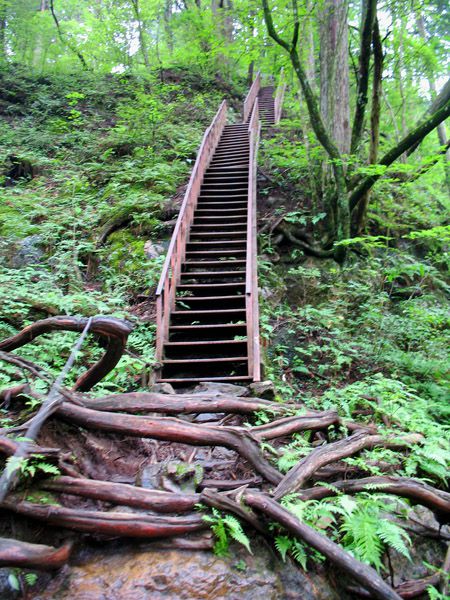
(279, 96)
(251, 97)
(170, 276)
(251, 281)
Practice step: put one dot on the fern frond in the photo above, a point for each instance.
(299, 553)
(394, 536)
(283, 544)
(236, 532)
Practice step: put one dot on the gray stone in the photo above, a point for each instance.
(162, 388)
(219, 389)
(208, 417)
(263, 389)
(28, 252)
(152, 250)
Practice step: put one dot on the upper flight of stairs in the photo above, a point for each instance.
(207, 298)
(266, 104)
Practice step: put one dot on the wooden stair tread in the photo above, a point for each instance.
(226, 311)
(205, 379)
(215, 359)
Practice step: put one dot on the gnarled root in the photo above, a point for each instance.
(32, 556)
(114, 331)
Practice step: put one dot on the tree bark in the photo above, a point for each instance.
(141, 32)
(361, 212)
(362, 573)
(334, 70)
(32, 556)
(368, 19)
(65, 40)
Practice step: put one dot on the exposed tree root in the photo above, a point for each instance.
(32, 556)
(114, 414)
(121, 493)
(114, 331)
(139, 402)
(112, 524)
(329, 453)
(361, 572)
(173, 430)
(418, 492)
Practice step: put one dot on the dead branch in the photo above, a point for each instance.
(32, 556)
(9, 447)
(329, 453)
(14, 392)
(114, 331)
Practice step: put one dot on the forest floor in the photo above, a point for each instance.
(91, 183)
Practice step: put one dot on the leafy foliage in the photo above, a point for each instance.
(226, 527)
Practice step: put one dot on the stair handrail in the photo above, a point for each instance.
(279, 96)
(170, 275)
(251, 96)
(251, 276)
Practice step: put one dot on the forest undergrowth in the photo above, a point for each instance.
(83, 232)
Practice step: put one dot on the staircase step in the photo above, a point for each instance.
(205, 349)
(216, 235)
(197, 274)
(225, 379)
(207, 332)
(211, 264)
(218, 226)
(196, 303)
(214, 219)
(208, 316)
(210, 289)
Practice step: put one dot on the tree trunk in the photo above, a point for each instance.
(368, 19)
(142, 42)
(334, 70)
(361, 212)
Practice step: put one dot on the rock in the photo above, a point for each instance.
(152, 250)
(162, 388)
(422, 550)
(182, 476)
(28, 252)
(219, 389)
(137, 572)
(150, 476)
(208, 417)
(263, 389)
(172, 476)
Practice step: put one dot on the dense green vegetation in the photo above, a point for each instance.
(102, 112)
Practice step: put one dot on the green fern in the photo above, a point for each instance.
(394, 536)
(299, 553)
(361, 537)
(283, 544)
(224, 528)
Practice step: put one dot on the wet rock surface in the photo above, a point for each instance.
(129, 573)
